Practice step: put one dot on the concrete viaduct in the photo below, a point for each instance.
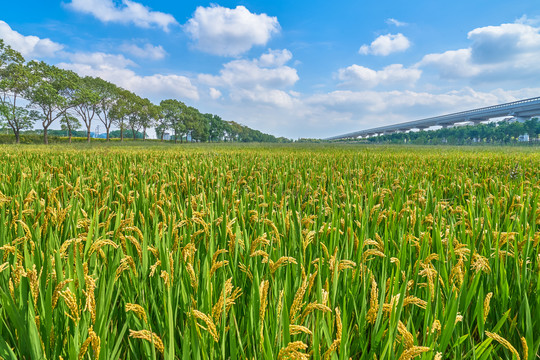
(522, 110)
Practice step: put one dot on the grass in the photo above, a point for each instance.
(242, 252)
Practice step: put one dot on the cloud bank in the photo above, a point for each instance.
(385, 45)
(126, 13)
(29, 46)
(229, 32)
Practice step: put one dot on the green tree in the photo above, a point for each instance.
(173, 113)
(69, 123)
(161, 122)
(135, 114)
(147, 115)
(15, 80)
(86, 100)
(216, 127)
(197, 125)
(122, 109)
(51, 92)
(25, 119)
(108, 96)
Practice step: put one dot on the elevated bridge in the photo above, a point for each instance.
(522, 110)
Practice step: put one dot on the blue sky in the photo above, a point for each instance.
(295, 69)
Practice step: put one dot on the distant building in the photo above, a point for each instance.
(524, 138)
(166, 136)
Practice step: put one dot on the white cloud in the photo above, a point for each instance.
(395, 22)
(275, 58)
(452, 64)
(148, 51)
(114, 68)
(215, 93)
(229, 32)
(29, 46)
(506, 42)
(259, 80)
(363, 77)
(99, 60)
(128, 12)
(508, 52)
(263, 96)
(262, 81)
(386, 44)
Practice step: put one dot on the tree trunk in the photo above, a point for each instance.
(175, 137)
(69, 134)
(162, 134)
(17, 137)
(88, 134)
(121, 133)
(134, 136)
(108, 138)
(45, 137)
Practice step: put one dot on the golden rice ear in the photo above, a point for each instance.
(504, 343)
(148, 336)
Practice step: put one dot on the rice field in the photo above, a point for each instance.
(313, 252)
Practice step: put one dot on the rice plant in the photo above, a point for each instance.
(315, 252)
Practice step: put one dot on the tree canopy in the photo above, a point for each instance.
(53, 94)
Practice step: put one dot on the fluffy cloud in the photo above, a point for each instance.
(363, 77)
(215, 93)
(503, 43)
(508, 52)
(452, 64)
(128, 12)
(275, 58)
(114, 68)
(259, 80)
(386, 44)
(148, 51)
(229, 32)
(28, 46)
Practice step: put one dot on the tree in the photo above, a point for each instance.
(108, 96)
(199, 126)
(147, 115)
(122, 109)
(234, 131)
(161, 122)
(86, 100)
(134, 114)
(194, 124)
(51, 92)
(216, 129)
(15, 79)
(70, 123)
(24, 119)
(173, 111)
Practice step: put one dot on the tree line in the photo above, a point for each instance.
(50, 94)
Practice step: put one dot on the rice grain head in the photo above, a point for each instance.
(503, 342)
